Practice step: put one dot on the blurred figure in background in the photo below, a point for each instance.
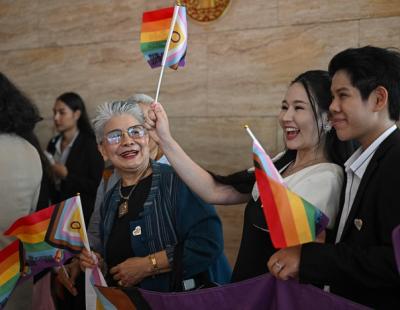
(76, 162)
(21, 170)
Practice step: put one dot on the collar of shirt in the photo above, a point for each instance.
(359, 161)
(58, 143)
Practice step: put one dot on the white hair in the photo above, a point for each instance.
(107, 110)
(141, 98)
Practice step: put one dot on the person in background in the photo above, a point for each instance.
(76, 161)
(358, 262)
(311, 167)
(21, 170)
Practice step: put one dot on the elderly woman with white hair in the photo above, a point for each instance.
(152, 225)
(111, 177)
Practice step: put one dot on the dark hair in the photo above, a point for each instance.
(369, 67)
(317, 85)
(18, 115)
(75, 103)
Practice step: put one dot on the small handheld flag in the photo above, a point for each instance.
(154, 38)
(164, 45)
(31, 230)
(291, 219)
(67, 226)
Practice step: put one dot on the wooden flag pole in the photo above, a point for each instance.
(164, 60)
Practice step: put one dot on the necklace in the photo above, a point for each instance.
(123, 208)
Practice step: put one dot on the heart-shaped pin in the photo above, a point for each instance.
(358, 223)
(137, 231)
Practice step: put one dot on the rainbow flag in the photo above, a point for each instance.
(291, 219)
(66, 229)
(10, 271)
(154, 35)
(31, 230)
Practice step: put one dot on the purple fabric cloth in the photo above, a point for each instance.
(396, 245)
(263, 292)
(41, 265)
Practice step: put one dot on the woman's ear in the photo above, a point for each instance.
(77, 115)
(102, 151)
(382, 97)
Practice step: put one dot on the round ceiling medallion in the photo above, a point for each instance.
(206, 10)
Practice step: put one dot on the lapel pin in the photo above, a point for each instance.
(137, 231)
(358, 223)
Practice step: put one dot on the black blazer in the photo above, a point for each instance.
(85, 168)
(362, 265)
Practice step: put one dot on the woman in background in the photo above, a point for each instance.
(76, 162)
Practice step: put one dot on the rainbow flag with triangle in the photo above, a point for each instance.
(10, 270)
(66, 229)
(31, 231)
(154, 35)
(291, 219)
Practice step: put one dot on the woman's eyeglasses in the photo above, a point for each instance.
(134, 132)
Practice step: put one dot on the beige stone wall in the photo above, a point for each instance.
(237, 68)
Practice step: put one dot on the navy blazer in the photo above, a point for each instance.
(85, 168)
(362, 265)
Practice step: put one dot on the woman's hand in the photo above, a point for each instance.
(68, 274)
(60, 170)
(157, 124)
(285, 263)
(132, 271)
(89, 259)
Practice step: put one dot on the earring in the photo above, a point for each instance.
(326, 124)
(327, 127)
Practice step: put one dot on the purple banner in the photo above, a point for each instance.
(263, 292)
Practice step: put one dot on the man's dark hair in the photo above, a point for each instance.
(369, 67)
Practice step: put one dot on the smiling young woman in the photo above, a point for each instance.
(311, 165)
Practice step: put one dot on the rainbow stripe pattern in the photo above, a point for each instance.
(67, 227)
(154, 35)
(10, 271)
(291, 219)
(31, 230)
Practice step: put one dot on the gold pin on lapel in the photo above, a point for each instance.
(358, 223)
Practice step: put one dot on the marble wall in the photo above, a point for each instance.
(237, 67)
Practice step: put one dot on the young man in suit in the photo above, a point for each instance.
(357, 261)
